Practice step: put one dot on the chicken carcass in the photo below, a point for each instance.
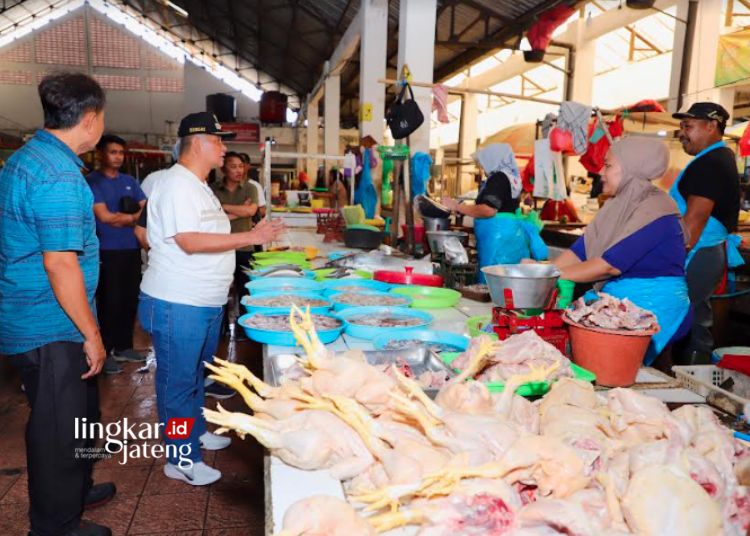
(475, 507)
(516, 355)
(609, 312)
(321, 515)
(663, 501)
(308, 439)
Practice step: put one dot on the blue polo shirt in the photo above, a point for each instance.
(45, 205)
(109, 190)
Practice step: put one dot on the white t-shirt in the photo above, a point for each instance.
(261, 192)
(151, 179)
(181, 203)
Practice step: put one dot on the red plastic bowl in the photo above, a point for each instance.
(408, 277)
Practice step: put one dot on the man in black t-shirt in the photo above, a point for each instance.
(710, 187)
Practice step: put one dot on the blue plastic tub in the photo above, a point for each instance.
(370, 332)
(284, 338)
(339, 285)
(459, 343)
(337, 306)
(246, 302)
(283, 284)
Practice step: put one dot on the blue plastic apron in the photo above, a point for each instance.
(714, 233)
(507, 238)
(666, 297)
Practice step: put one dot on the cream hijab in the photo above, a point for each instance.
(637, 202)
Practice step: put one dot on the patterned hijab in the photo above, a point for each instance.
(637, 202)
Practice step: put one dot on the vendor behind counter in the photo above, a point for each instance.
(504, 236)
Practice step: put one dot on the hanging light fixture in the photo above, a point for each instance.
(640, 4)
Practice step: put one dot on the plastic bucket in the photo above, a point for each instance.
(614, 356)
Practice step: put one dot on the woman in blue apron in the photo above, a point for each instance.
(503, 235)
(635, 246)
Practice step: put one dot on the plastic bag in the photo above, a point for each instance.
(455, 253)
(365, 194)
(509, 238)
(420, 173)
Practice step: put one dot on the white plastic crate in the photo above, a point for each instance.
(702, 379)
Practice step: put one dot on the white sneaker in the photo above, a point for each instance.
(211, 441)
(198, 475)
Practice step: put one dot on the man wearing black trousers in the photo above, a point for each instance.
(118, 201)
(48, 273)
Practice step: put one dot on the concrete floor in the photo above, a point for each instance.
(147, 502)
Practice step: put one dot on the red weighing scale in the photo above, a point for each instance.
(549, 325)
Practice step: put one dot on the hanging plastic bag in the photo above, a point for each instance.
(420, 173)
(745, 142)
(455, 253)
(365, 194)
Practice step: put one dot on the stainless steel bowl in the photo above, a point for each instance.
(436, 239)
(530, 285)
(436, 224)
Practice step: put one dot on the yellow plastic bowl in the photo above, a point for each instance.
(317, 203)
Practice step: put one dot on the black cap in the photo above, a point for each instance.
(705, 110)
(202, 123)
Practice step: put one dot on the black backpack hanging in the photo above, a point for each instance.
(404, 116)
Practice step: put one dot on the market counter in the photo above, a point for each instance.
(285, 485)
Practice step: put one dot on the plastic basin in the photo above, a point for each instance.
(246, 301)
(370, 332)
(283, 284)
(340, 285)
(283, 338)
(429, 297)
(430, 336)
(614, 356)
(339, 306)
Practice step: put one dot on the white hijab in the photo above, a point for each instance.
(499, 157)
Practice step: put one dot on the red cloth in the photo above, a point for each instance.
(745, 142)
(540, 33)
(738, 363)
(593, 158)
(527, 176)
(646, 105)
(557, 210)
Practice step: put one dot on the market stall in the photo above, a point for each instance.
(286, 484)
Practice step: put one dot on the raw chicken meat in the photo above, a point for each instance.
(516, 355)
(662, 501)
(321, 515)
(609, 312)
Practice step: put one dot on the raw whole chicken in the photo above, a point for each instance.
(517, 355)
(609, 312)
(573, 463)
(321, 515)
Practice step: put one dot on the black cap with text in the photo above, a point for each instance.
(705, 110)
(202, 123)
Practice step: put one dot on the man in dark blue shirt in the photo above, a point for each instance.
(49, 267)
(118, 200)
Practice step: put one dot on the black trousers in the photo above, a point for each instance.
(117, 296)
(58, 480)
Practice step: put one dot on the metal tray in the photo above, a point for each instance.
(419, 358)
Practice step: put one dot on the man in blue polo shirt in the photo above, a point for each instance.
(49, 265)
(118, 200)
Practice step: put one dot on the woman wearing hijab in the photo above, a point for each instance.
(503, 236)
(635, 247)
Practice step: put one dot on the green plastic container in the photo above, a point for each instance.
(476, 323)
(527, 389)
(280, 255)
(429, 297)
(263, 263)
(323, 273)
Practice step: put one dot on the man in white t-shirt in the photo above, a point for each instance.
(184, 289)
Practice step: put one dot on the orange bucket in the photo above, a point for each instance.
(614, 356)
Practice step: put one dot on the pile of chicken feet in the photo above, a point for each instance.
(471, 463)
